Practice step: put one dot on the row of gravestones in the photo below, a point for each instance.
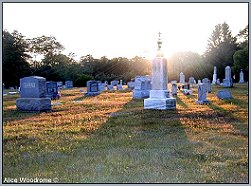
(36, 93)
(227, 82)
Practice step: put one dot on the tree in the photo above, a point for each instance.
(221, 47)
(15, 65)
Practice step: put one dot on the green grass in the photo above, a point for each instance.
(110, 138)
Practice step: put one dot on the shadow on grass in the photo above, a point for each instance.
(180, 102)
(15, 115)
(140, 145)
(238, 124)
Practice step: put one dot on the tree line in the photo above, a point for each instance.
(42, 56)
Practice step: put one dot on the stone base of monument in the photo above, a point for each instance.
(227, 83)
(33, 104)
(92, 93)
(140, 94)
(160, 103)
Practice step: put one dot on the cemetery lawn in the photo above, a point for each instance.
(110, 138)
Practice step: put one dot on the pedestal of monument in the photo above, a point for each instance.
(159, 95)
(33, 104)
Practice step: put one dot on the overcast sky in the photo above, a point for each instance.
(124, 29)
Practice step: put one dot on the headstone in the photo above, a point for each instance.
(92, 88)
(241, 77)
(218, 81)
(110, 87)
(121, 82)
(187, 92)
(68, 84)
(186, 86)
(174, 88)
(224, 94)
(119, 87)
(114, 83)
(142, 87)
(101, 86)
(228, 81)
(199, 81)
(207, 83)
(214, 76)
(159, 95)
(33, 95)
(130, 85)
(60, 84)
(182, 78)
(52, 90)
(191, 80)
(202, 94)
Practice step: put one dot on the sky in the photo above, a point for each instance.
(124, 29)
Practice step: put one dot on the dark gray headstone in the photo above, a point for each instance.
(52, 90)
(224, 94)
(92, 88)
(68, 84)
(33, 87)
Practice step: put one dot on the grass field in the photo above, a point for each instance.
(110, 138)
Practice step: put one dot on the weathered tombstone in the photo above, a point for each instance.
(110, 87)
(182, 78)
(130, 85)
(174, 88)
(101, 86)
(114, 83)
(241, 77)
(119, 87)
(214, 76)
(202, 94)
(68, 84)
(60, 84)
(159, 95)
(224, 94)
(33, 95)
(207, 83)
(52, 90)
(218, 81)
(187, 92)
(199, 81)
(228, 81)
(142, 87)
(92, 88)
(191, 80)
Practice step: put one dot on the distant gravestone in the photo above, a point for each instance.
(191, 80)
(182, 78)
(92, 88)
(119, 87)
(241, 77)
(101, 86)
(110, 87)
(60, 84)
(33, 95)
(214, 76)
(199, 81)
(114, 83)
(68, 84)
(218, 81)
(224, 94)
(202, 94)
(142, 87)
(174, 88)
(228, 81)
(130, 85)
(52, 90)
(207, 83)
(187, 92)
